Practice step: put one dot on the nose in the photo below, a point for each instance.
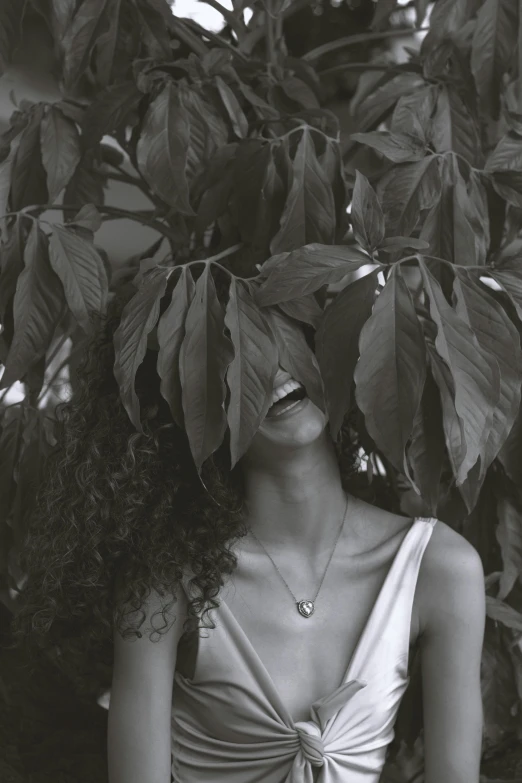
(311, 742)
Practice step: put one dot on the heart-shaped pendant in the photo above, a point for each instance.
(306, 608)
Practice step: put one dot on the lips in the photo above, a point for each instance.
(287, 402)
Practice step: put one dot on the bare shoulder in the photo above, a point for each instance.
(162, 618)
(451, 580)
(375, 526)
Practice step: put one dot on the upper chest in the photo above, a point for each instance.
(307, 658)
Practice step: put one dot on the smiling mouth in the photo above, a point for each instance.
(287, 402)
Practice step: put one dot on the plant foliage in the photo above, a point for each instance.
(400, 252)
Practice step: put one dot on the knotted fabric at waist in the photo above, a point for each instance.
(311, 742)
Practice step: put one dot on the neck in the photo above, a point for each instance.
(295, 502)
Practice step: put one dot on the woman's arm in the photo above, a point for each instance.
(453, 616)
(139, 728)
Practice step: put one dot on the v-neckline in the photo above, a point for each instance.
(282, 707)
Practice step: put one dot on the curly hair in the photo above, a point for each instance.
(118, 507)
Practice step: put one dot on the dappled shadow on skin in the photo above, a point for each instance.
(48, 734)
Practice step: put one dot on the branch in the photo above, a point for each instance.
(217, 38)
(234, 22)
(114, 212)
(398, 67)
(185, 34)
(254, 36)
(340, 43)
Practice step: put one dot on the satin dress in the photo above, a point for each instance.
(229, 724)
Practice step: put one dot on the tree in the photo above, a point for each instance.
(401, 256)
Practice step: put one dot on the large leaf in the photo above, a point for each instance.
(105, 52)
(109, 111)
(10, 447)
(153, 29)
(309, 212)
(337, 344)
(258, 193)
(508, 185)
(390, 373)
(216, 186)
(406, 190)
(503, 613)
(376, 106)
(11, 265)
(510, 455)
(11, 16)
(507, 155)
(207, 129)
(295, 355)
(425, 452)
(28, 177)
(500, 344)
(163, 147)
(171, 331)
(82, 272)
(453, 128)
(476, 382)
(86, 186)
(453, 426)
(138, 318)
(457, 226)
(38, 305)
(204, 357)
(305, 309)
(307, 269)
(235, 112)
(397, 147)
(448, 17)
(61, 152)
(413, 115)
(509, 536)
(367, 214)
(80, 39)
(494, 40)
(332, 165)
(251, 373)
(6, 173)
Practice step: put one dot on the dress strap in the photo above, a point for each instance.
(387, 634)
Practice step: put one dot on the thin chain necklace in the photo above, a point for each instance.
(306, 607)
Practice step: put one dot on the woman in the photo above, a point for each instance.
(319, 598)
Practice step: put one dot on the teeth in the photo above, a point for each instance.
(282, 391)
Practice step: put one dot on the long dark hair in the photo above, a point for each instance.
(121, 508)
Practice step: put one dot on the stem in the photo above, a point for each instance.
(145, 188)
(340, 43)
(234, 22)
(363, 67)
(259, 33)
(116, 212)
(298, 128)
(185, 34)
(129, 180)
(213, 259)
(224, 253)
(270, 50)
(216, 38)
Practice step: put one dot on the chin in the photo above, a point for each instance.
(300, 427)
